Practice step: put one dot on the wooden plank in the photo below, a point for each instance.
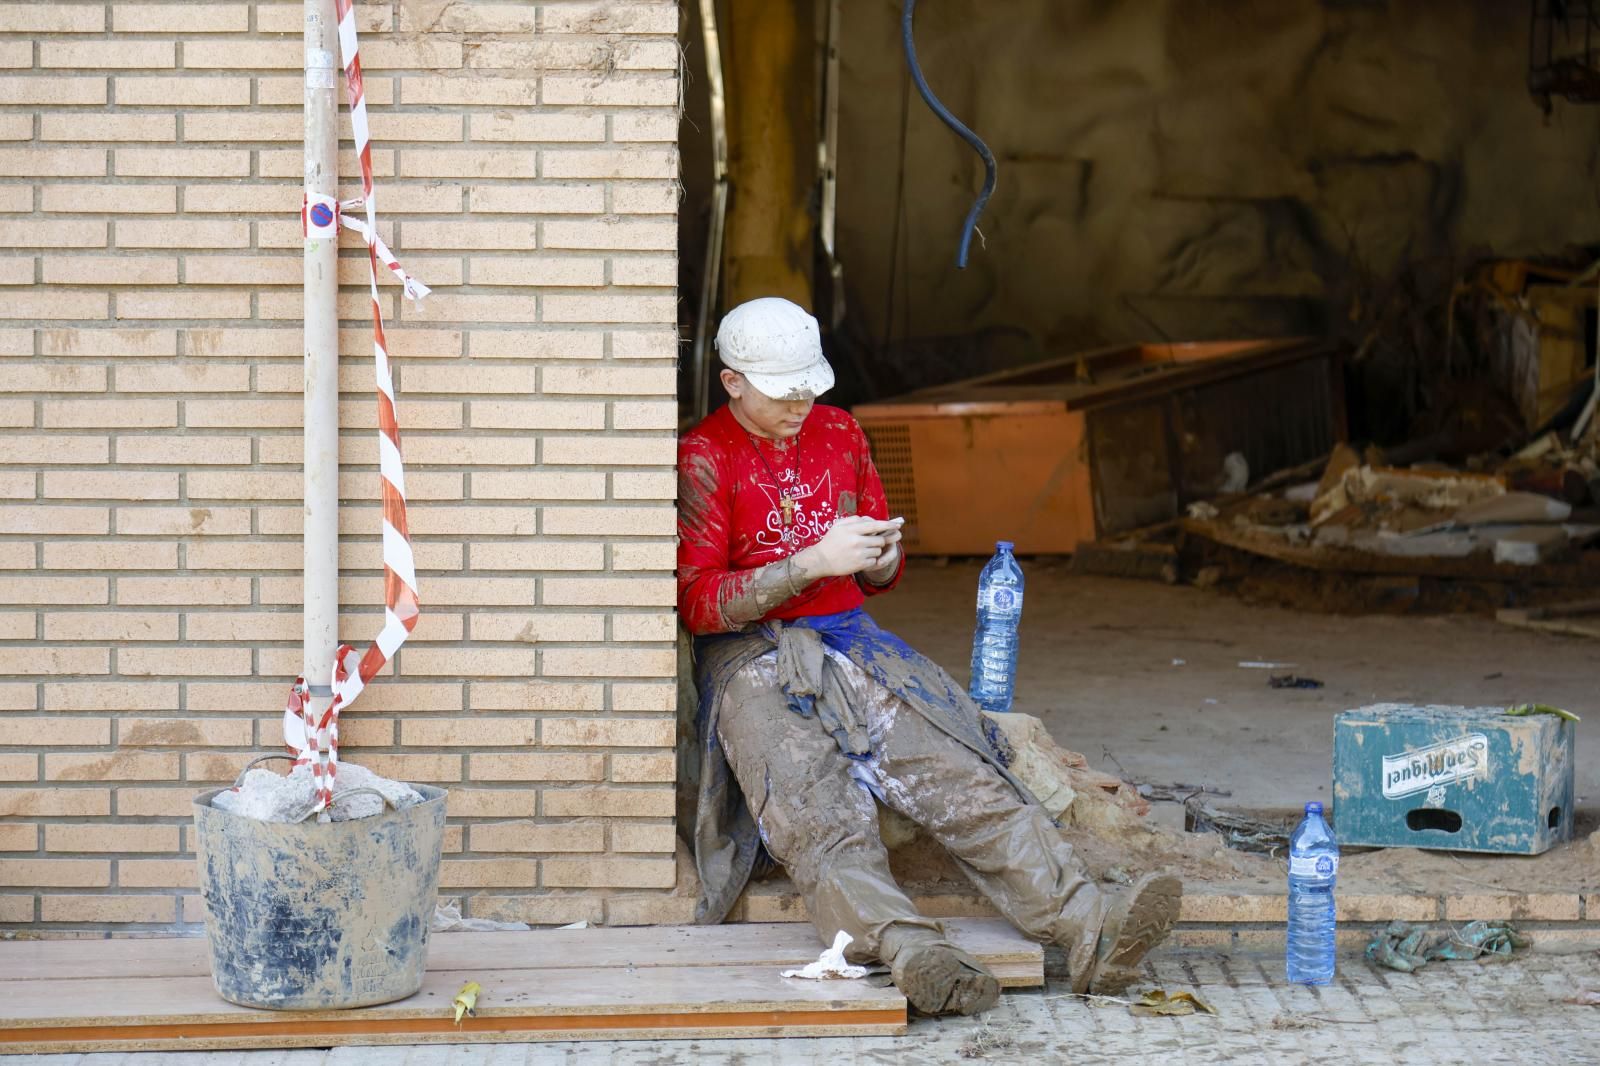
(775, 945)
(65, 1042)
(1163, 380)
(34, 960)
(1571, 609)
(1344, 560)
(164, 1013)
(511, 993)
(778, 944)
(1018, 974)
(1557, 626)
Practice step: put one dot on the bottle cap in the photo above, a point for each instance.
(1004, 545)
(1313, 807)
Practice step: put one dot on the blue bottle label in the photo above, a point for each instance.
(1318, 867)
(1001, 599)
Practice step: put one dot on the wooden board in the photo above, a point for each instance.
(677, 982)
(1566, 629)
(167, 1013)
(1576, 619)
(1570, 609)
(1480, 567)
(1018, 963)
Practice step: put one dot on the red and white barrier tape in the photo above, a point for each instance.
(316, 741)
(324, 216)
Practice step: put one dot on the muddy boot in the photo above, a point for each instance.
(1138, 920)
(937, 978)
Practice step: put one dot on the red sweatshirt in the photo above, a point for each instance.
(730, 522)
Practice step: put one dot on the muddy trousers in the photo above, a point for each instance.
(817, 815)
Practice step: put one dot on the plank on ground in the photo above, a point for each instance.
(154, 1013)
(778, 944)
(84, 1045)
(1016, 961)
(1563, 619)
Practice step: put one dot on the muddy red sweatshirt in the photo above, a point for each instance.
(730, 516)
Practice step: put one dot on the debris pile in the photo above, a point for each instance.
(1243, 832)
(1505, 517)
(357, 793)
(1496, 478)
(1058, 777)
(447, 919)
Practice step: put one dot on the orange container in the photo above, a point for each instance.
(1058, 453)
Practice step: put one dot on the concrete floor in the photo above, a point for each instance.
(1148, 674)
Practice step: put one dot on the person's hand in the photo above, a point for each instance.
(881, 572)
(851, 546)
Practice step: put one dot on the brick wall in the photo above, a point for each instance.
(149, 438)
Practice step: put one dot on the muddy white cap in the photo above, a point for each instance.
(777, 346)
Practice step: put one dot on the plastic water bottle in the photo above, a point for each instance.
(994, 646)
(1313, 869)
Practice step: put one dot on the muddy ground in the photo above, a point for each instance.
(1144, 679)
(1147, 675)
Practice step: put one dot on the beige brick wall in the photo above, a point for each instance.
(149, 439)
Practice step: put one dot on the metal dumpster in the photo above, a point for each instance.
(1058, 453)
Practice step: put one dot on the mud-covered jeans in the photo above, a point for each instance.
(816, 813)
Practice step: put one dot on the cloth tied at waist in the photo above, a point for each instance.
(816, 687)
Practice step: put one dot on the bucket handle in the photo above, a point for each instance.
(258, 760)
(357, 792)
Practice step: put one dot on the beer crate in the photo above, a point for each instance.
(1452, 778)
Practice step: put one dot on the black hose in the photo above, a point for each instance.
(955, 124)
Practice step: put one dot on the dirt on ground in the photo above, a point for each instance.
(1572, 867)
(1150, 682)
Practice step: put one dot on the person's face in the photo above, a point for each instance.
(760, 413)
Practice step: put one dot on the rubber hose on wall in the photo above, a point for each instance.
(954, 123)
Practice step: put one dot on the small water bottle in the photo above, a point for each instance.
(1313, 869)
(994, 646)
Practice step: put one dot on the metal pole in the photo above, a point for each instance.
(828, 164)
(321, 590)
(711, 273)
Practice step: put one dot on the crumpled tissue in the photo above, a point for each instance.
(830, 965)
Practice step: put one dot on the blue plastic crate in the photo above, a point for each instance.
(1452, 778)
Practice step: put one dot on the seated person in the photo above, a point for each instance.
(810, 713)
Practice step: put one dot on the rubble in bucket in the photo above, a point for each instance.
(271, 797)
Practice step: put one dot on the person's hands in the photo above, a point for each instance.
(883, 571)
(852, 546)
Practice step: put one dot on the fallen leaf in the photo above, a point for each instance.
(1156, 1003)
(1524, 709)
(466, 1001)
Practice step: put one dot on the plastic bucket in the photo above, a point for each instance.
(319, 916)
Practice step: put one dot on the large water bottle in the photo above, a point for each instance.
(1313, 869)
(994, 646)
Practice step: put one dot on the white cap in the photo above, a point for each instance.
(777, 346)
